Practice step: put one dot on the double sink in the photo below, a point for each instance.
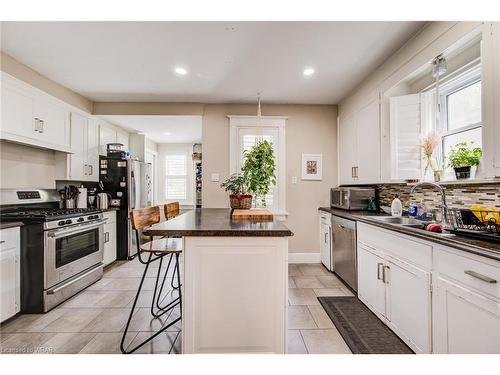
(408, 222)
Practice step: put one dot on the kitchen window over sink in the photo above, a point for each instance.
(245, 132)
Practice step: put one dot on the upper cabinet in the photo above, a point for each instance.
(491, 98)
(32, 117)
(111, 134)
(359, 145)
(83, 163)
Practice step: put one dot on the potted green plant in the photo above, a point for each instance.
(236, 185)
(259, 170)
(462, 157)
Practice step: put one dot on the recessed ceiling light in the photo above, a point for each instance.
(166, 133)
(181, 71)
(308, 71)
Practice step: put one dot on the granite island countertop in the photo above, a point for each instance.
(216, 222)
(484, 248)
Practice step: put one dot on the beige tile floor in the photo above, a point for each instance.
(93, 320)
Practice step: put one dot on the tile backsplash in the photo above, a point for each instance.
(457, 195)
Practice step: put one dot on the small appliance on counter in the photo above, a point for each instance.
(351, 198)
(61, 248)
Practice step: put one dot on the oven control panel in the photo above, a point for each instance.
(73, 221)
(33, 194)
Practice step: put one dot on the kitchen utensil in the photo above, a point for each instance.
(91, 200)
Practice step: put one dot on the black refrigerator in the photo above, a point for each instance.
(129, 181)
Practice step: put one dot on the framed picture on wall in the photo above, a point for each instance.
(312, 168)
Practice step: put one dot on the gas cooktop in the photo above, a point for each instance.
(46, 214)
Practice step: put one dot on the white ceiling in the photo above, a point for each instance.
(181, 129)
(226, 61)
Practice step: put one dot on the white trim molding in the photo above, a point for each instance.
(275, 124)
(296, 258)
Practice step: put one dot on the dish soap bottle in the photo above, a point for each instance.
(396, 207)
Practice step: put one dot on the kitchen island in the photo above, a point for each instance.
(235, 278)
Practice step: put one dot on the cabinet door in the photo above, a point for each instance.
(122, 137)
(109, 243)
(368, 143)
(78, 169)
(464, 321)
(18, 106)
(408, 303)
(8, 274)
(54, 121)
(107, 134)
(371, 288)
(347, 149)
(93, 150)
(325, 245)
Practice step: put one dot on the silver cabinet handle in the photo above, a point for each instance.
(356, 172)
(340, 226)
(481, 277)
(384, 278)
(35, 123)
(379, 266)
(1, 242)
(352, 172)
(91, 167)
(106, 237)
(85, 169)
(42, 125)
(326, 237)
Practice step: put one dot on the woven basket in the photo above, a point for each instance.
(242, 201)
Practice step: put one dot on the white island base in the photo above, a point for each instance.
(234, 294)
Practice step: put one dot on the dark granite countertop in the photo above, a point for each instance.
(484, 248)
(10, 224)
(216, 222)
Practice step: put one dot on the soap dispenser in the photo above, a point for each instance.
(396, 207)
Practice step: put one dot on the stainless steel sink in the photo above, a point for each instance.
(406, 221)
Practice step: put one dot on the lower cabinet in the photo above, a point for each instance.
(109, 238)
(396, 289)
(435, 298)
(9, 273)
(325, 239)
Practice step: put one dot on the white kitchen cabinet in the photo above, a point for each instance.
(466, 303)
(359, 146)
(325, 239)
(9, 273)
(371, 288)
(394, 281)
(122, 137)
(490, 91)
(408, 303)
(31, 117)
(107, 134)
(109, 237)
(83, 164)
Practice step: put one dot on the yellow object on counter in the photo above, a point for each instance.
(486, 214)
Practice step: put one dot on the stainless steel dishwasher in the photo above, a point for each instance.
(344, 250)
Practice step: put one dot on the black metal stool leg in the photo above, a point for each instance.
(179, 282)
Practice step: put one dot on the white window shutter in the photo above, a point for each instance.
(406, 130)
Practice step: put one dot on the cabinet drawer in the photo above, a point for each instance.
(482, 275)
(325, 218)
(9, 238)
(400, 245)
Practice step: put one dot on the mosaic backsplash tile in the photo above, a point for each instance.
(457, 195)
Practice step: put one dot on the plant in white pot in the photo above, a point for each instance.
(236, 185)
(259, 170)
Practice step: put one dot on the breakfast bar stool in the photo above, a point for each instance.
(156, 249)
(172, 210)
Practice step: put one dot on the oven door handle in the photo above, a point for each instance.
(81, 228)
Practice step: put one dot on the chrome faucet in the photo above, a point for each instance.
(444, 206)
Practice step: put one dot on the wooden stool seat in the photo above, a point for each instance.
(163, 245)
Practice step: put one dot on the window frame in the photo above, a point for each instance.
(264, 124)
(459, 83)
(179, 149)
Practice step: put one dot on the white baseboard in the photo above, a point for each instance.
(304, 258)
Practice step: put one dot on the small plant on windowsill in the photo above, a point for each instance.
(462, 157)
(259, 170)
(236, 185)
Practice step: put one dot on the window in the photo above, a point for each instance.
(176, 177)
(460, 115)
(245, 132)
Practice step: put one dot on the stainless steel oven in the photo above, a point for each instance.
(71, 250)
